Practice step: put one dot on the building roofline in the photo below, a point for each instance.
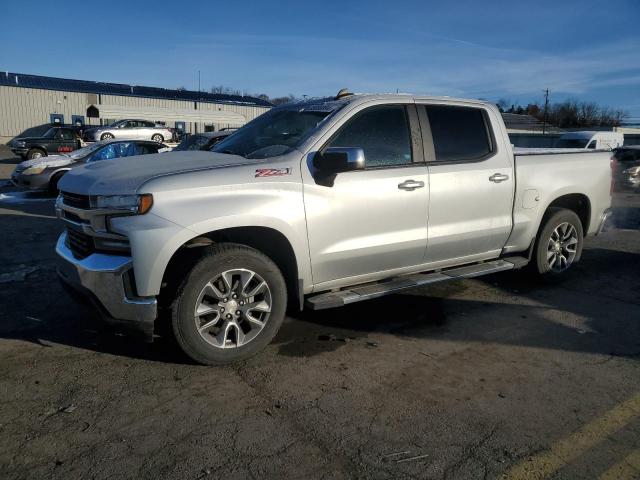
(23, 80)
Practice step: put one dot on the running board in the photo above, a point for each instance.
(397, 284)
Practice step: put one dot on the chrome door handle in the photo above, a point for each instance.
(410, 185)
(498, 177)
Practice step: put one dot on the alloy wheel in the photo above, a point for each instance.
(562, 246)
(232, 308)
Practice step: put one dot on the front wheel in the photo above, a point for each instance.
(559, 243)
(35, 153)
(107, 136)
(230, 305)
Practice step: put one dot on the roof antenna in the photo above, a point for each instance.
(344, 92)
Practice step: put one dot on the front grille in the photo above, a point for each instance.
(80, 244)
(75, 200)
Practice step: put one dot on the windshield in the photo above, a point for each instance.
(115, 124)
(83, 152)
(274, 133)
(50, 133)
(571, 143)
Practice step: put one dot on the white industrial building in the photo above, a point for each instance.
(30, 100)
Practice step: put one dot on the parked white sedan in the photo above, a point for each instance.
(130, 130)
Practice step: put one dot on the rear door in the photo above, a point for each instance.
(146, 130)
(471, 184)
(373, 220)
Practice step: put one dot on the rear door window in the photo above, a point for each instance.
(382, 132)
(459, 133)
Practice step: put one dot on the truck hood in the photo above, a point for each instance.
(126, 175)
(26, 139)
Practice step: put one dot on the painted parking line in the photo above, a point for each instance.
(568, 449)
(627, 469)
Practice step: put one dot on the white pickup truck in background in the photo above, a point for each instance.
(320, 204)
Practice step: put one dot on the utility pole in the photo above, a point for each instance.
(546, 106)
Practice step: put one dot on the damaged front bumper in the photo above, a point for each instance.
(107, 282)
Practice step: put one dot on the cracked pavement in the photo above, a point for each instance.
(477, 379)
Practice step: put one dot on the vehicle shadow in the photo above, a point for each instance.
(592, 309)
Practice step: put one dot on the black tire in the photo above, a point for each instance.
(157, 138)
(36, 153)
(53, 183)
(106, 136)
(220, 258)
(554, 218)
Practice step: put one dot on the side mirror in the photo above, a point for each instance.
(339, 159)
(331, 161)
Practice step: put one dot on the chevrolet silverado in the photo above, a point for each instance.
(318, 204)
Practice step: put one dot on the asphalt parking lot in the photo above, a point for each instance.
(499, 377)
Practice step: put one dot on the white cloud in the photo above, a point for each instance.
(430, 64)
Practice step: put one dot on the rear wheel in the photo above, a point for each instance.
(230, 306)
(157, 138)
(35, 153)
(559, 243)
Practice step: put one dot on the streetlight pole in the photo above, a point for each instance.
(546, 106)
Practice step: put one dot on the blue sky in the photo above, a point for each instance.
(589, 50)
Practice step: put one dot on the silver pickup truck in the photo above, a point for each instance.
(316, 205)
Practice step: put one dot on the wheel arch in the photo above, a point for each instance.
(273, 243)
(579, 203)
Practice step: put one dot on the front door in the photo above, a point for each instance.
(65, 141)
(471, 185)
(374, 220)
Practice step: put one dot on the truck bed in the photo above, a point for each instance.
(543, 175)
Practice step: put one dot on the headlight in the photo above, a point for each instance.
(19, 144)
(138, 204)
(634, 172)
(34, 170)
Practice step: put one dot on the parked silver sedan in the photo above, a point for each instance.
(44, 173)
(130, 130)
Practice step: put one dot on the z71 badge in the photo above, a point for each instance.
(272, 172)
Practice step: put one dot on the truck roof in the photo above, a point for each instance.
(332, 103)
